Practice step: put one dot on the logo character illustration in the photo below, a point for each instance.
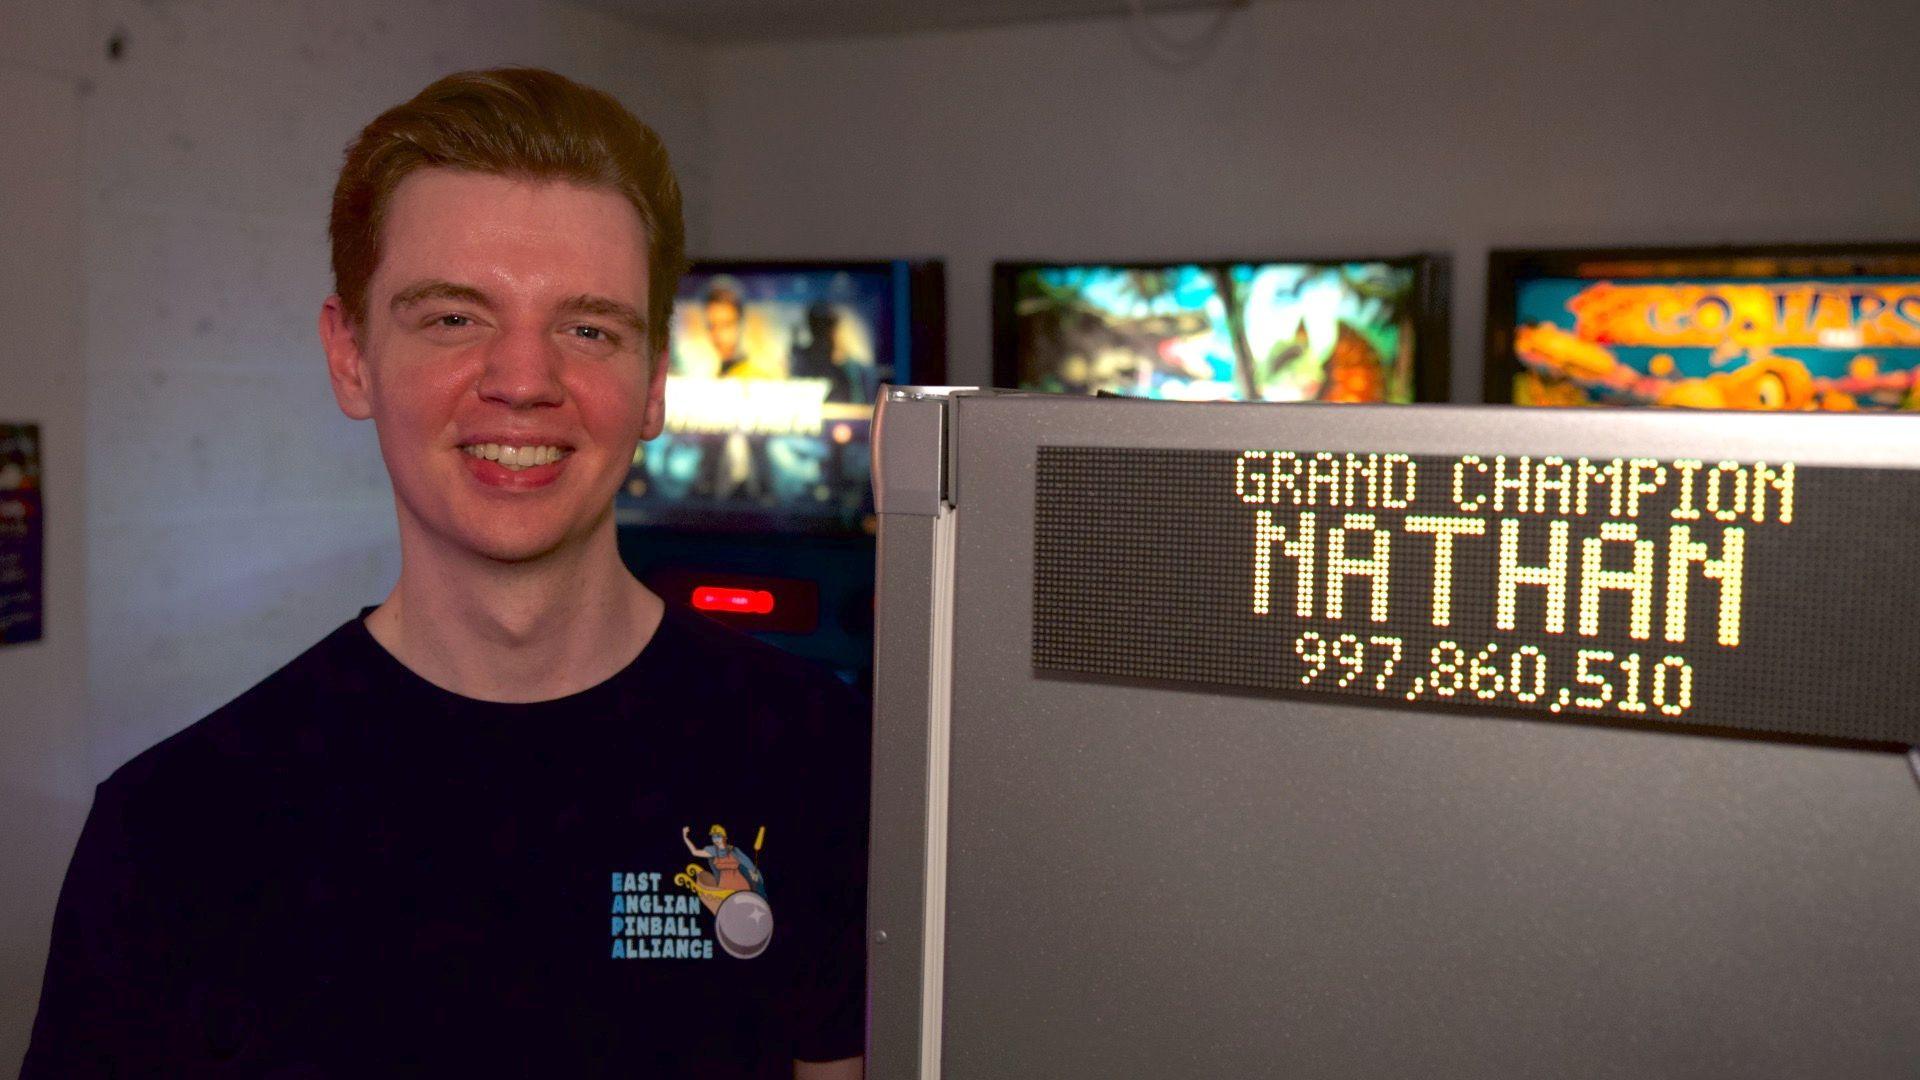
(732, 888)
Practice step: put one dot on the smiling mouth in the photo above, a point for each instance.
(516, 458)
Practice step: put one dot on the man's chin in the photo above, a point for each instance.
(517, 554)
(525, 547)
(505, 537)
(517, 546)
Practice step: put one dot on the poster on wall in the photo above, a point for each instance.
(22, 534)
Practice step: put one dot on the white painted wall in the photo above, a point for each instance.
(44, 778)
(1325, 127)
(163, 218)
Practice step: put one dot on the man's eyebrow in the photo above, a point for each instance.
(437, 290)
(607, 308)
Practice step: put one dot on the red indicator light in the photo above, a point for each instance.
(737, 601)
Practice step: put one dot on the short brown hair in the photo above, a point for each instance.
(524, 123)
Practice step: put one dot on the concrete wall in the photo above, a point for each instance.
(212, 513)
(1324, 127)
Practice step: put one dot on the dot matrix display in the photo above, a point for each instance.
(1760, 595)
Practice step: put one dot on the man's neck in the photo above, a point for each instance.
(516, 632)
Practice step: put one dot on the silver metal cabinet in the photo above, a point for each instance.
(1097, 878)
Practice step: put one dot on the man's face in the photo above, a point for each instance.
(723, 329)
(503, 359)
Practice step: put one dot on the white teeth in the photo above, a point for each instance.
(516, 457)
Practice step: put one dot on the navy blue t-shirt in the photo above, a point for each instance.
(348, 871)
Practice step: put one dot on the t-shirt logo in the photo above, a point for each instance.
(733, 891)
(652, 923)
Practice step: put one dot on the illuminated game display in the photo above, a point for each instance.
(770, 392)
(1667, 591)
(1792, 328)
(1352, 331)
(755, 505)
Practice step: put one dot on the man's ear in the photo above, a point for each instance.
(346, 363)
(656, 418)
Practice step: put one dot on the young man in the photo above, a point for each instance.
(451, 838)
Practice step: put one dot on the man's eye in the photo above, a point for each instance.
(452, 321)
(591, 333)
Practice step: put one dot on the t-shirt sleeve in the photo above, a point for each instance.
(833, 990)
(99, 1007)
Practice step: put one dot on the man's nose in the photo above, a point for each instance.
(522, 369)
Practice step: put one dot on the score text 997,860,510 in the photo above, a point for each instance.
(1601, 681)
